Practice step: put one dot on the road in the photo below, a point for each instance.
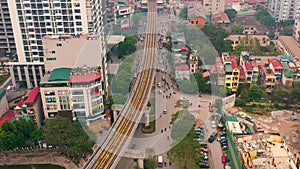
(117, 140)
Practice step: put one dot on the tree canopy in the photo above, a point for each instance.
(186, 153)
(19, 133)
(128, 46)
(231, 13)
(68, 136)
(263, 16)
(237, 29)
(216, 35)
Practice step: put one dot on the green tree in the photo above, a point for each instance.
(25, 126)
(68, 136)
(227, 46)
(231, 13)
(169, 45)
(255, 93)
(150, 163)
(36, 136)
(186, 153)
(263, 16)
(216, 35)
(12, 138)
(237, 29)
(295, 93)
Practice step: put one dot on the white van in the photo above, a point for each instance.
(160, 161)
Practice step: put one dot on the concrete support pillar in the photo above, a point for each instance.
(12, 75)
(115, 114)
(147, 119)
(140, 163)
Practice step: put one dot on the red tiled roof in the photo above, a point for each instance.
(220, 17)
(213, 69)
(232, 57)
(252, 2)
(206, 74)
(234, 64)
(84, 78)
(248, 66)
(254, 64)
(228, 1)
(7, 116)
(20, 103)
(182, 67)
(242, 73)
(184, 49)
(219, 60)
(267, 72)
(34, 92)
(276, 63)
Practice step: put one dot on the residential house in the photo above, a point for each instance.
(31, 107)
(182, 72)
(243, 39)
(289, 46)
(221, 72)
(255, 71)
(193, 62)
(251, 25)
(221, 18)
(243, 5)
(196, 15)
(232, 71)
(287, 63)
(266, 78)
(244, 62)
(287, 78)
(3, 102)
(242, 77)
(237, 5)
(276, 66)
(212, 6)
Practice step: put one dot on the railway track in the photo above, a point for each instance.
(112, 147)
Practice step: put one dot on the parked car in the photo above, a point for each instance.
(241, 115)
(250, 119)
(165, 111)
(213, 124)
(212, 137)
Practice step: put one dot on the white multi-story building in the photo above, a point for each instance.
(33, 19)
(76, 92)
(283, 10)
(212, 6)
(296, 31)
(7, 42)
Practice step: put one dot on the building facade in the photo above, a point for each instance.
(77, 91)
(212, 6)
(7, 41)
(34, 19)
(283, 10)
(3, 102)
(296, 30)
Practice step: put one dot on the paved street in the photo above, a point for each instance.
(160, 140)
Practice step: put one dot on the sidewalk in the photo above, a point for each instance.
(28, 157)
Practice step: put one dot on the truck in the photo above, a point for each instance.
(160, 161)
